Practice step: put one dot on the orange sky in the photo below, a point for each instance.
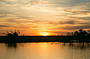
(33, 17)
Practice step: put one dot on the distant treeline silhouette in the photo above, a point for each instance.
(11, 37)
(81, 35)
(77, 36)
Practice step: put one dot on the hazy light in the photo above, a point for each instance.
(44, 34)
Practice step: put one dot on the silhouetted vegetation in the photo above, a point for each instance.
(80, 36)
(12, 37)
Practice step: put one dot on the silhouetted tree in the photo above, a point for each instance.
(82, 32)
(81, 35)
(12, 37)
(76, 33)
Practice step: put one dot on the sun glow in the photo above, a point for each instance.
(44, 34)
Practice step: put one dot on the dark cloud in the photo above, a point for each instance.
(74, 22)
(69, 3)
(4, 26)
(4, 13)
(68, 22)
(76, 27)
(60, 32)
(85, 18)
(3, 1)
(10, 14)
(78, 12)
(18, 21)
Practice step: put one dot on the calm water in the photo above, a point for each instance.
(44, 51)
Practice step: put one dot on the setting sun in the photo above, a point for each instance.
(44, 34)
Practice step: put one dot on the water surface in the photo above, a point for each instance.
(44, 51)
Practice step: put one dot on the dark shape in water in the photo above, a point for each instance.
(9, 45)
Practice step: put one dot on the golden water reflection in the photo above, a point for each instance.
(43, 51)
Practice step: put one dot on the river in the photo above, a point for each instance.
(44, 50)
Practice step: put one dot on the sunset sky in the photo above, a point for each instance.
(51, 17)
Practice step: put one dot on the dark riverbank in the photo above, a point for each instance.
(33, 38)
(64, 39)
